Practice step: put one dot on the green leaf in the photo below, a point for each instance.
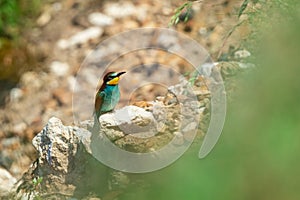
(176, 20)
(243, 7)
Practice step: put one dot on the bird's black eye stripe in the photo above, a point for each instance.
(112, 77)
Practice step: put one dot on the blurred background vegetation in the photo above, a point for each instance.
(257, 156)
(16, 17)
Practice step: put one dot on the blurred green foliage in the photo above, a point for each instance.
(257, 156)
(184, 11)
(9, 15)
(14, 15)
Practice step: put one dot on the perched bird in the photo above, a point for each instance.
(108, 95)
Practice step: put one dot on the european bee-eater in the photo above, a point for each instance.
(108, 95)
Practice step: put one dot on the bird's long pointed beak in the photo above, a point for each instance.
(120, 73)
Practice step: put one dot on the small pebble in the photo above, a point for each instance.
(81, 37)
(59, 68)
(16, 94)
(203, 31)
(120, 10)
(85, 35)
(57, 6)
(99, 19)
(241, 54)
(31, 80)
(44, 18)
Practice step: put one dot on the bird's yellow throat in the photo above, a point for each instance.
(113, 81)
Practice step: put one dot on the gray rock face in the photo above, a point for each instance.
(57, 145)
(128, 120)
(64, 166)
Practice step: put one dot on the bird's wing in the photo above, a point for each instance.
(98, 102)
